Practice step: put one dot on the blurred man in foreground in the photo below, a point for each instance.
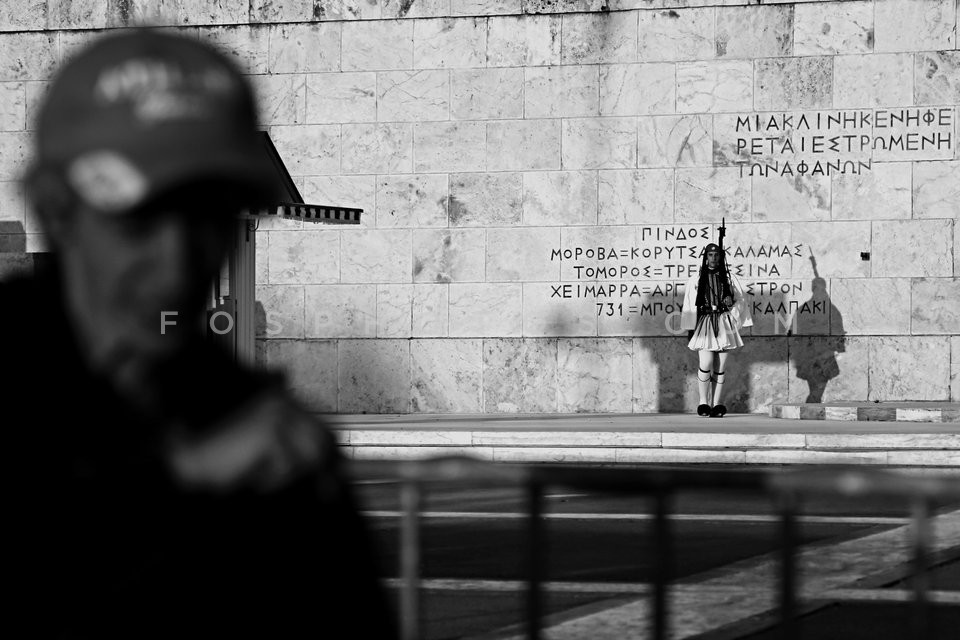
(158, 489)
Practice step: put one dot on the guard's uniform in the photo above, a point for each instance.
(714, 326)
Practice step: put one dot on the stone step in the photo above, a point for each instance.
(869, 411)
(652, 438)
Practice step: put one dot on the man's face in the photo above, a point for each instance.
(121, 272)
(713, 259)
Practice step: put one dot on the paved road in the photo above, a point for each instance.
(601, 562)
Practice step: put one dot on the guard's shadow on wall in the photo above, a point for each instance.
(755, 375)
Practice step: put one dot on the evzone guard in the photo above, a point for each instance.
(714, 311)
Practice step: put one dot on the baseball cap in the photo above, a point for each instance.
(139, 113)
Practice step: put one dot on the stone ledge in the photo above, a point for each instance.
(869, 411)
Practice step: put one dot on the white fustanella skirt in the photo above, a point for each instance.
(715, 332)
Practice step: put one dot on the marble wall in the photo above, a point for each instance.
(486, 138)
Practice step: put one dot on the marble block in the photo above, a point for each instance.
(36, 91)
(872, 80)
(67, 14)
(937, 77)
(32, 15)
(412, 201)
(828, 369)
(595, 375)
(523, 145)
(754, 32)
(13, 106)
(344, 191)
(308, 149)
(546, 312)
(448, 255)
(584, 244)
(955, 368)
(789, 306)
(826, 28)
(304, 257)
(279, 311)
(261, 257)
(637, 89)
(936, 190)
(415, 8)
(485, 199)
(304, 48)
(485, 310)
(309, 368)
(714, 86)
(636, 196)
(341, 97)
(912, 25)
(350, 9)
(712, 194)
(592, 38)
(912, 248)
(374, 376)
(280, 11)
(14, 146)
(376, 45)
(203, 12)
(445, 376)
(780, 198)
(794, 83)
(934, 306)
(871, 306)
(27, 56)
(522, 254)
(564, 91)
(836, 246)
(756, 375)
(12, 203)
(523, 41)
(956, 250)
(519, 376)
(449, 42)
(759, 250)
(884, 192)
(481, 94)
(281, 99)
(655, 312)
(599, 143)
(485, 7)
(246, 45)
(684, 34)
(560, 198)
(675, 141)
(340, 311)
(413, 95)
(375, 255)
(444, 147)
(429, 310)
(909, 368)
(664, 371)
(377, 148)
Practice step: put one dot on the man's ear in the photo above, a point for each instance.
(52, 199)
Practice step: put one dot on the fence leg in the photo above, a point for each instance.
(663, 568)
(535, 558)
(788, 568)
(920, 618)
(410, 560)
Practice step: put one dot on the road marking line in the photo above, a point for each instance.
(642, 588)
(681, 517)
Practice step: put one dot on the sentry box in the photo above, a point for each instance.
(232, 310)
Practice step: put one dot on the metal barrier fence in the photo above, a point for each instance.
(785, 487)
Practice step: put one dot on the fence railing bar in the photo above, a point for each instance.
(410, 504)
(788, 566)
(536, 558)
(920, 529)
(663, 558)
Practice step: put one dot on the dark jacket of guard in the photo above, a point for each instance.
(102, 543)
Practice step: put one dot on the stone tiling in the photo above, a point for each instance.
(870, 411)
